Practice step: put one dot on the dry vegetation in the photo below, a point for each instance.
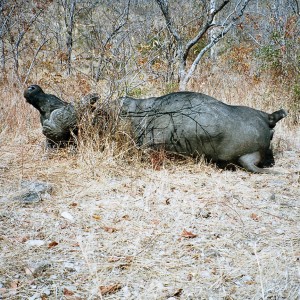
(121, 224)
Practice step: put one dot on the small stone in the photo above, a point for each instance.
(126, 292)
(246, 278)
(33, 192)
(279, 231)
(205, 274)
(37, 186)
(35, 243)
(203, 213)
(36, 296)
(46, 292)
(67, 216)
(39, 268)
(30, 197)
(69, 266)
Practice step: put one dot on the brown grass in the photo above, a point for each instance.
(147, 226)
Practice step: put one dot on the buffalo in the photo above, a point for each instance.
(58, 118)
(187, 123)
(195, 124)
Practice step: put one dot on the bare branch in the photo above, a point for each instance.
(164, 6)
(207, 25)
(296, 9)
(124, 19)
(34, 59)
(234, 19)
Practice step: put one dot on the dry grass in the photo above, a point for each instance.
(183, 230)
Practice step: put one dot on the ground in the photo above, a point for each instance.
(119, 230)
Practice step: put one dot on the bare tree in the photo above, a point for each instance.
(121, 21)
(69, 9)
(213, 31)
(16, 23)
(184, 47)
(4, 19)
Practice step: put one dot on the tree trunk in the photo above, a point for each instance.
(2, 55)
(69, 19)
(183, 50)
(213, 32)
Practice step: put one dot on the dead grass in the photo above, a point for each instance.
(183, 230)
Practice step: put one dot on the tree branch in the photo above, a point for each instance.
(194, 65)
(34, 59)
(164, 6)
(207, 25)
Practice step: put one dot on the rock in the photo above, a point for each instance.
(68, 216)
(30, 197)
(71, 267)
(33, 191)
(46, 292)
(36, 296)
(39, 267)
(35, 243)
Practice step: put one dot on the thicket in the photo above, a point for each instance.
(127, 47)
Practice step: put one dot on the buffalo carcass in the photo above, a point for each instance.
(196, 124)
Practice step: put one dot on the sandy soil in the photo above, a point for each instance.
(114, 230)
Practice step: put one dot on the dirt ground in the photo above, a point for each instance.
(115, 230)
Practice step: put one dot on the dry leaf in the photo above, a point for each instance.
(29, 271)
(172, 293)
(109, 289)
(14, 284)
(177, 293)
(3, 291)
(22, 239)
(110, 229)
(52, 244)
(129, 258)
(187, 234)
(155, 222)
(68, 292)
(254, 217)
(114, 259)
(96, 217)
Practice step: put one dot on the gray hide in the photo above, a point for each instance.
(195, 124)
(59, 119)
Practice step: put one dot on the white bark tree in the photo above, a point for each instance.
(185, 72)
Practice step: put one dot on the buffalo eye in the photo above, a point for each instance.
(31, 88)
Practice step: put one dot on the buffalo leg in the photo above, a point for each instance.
(249, 162)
